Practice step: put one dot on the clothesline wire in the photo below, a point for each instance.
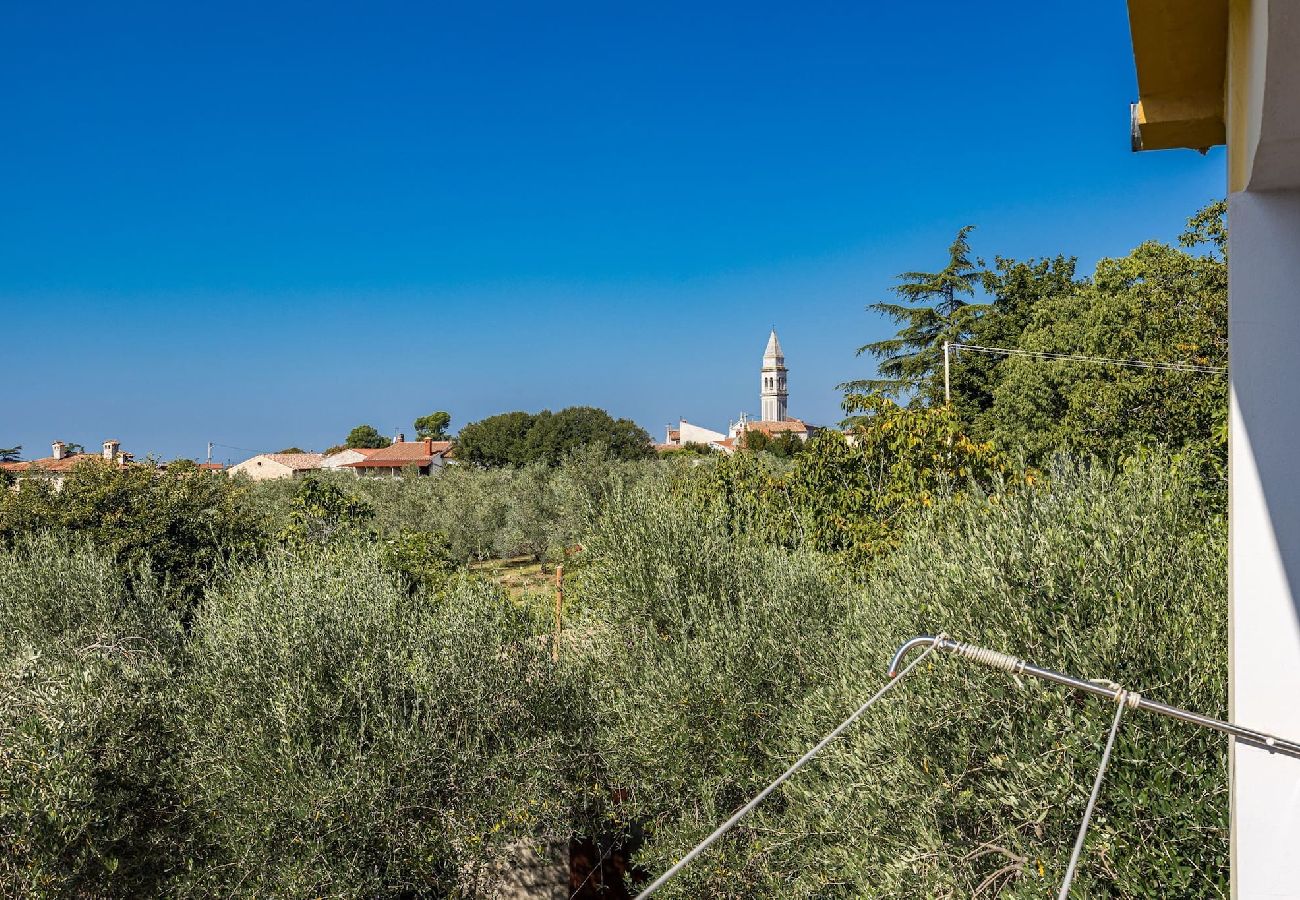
(1123, 699)
(1092, 800)
(1102, 360)
(783, 777)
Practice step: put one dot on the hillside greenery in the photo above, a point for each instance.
(318, 688)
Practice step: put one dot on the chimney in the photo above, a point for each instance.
(57, 449)
(428, 446)
(110, 450)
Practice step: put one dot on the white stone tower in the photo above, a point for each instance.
(774, 393)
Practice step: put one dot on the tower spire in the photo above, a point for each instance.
(773, 391)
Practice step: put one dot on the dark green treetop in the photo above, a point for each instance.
(934, 308)
(433, 426)
(366, 436)
(519, 438)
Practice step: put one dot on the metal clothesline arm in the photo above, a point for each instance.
(1111, 692)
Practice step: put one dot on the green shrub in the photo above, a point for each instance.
(852, 495)
(89, 800)
(699, 636)
(180, 525)
(480, 514)
(350, 738)
(962, 782)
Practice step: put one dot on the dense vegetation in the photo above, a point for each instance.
(213, 688)
(522, 438)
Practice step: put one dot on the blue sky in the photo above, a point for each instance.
(261, 224)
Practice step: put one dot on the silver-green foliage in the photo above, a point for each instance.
(89, 799)
(963, 782)
(535, 511)
(703, 638)
(349, 738)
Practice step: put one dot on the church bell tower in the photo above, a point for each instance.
(774, 394)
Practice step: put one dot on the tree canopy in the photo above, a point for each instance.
(934, 309)
(433, 426)
(1160, 304)
(366, 436)
(520, 438)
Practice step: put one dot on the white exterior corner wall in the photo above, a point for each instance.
(1264, 516)
(1263, 127)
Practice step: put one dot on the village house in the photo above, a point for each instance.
(60, 462)
(341, 460)
(425, 457)
(270, 466)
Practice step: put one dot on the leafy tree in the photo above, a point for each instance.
(322, 511)
(433, 426)
(1157, 304)
(520, 438)
(292, 450)
(1016, 288)
(690, 448)
(854, 494)
(729, 659)
(934, 309)
(850, 496)
(351, 738)
(782, 445)
(423, 559)
(499, 440)
(11, 454)
(1208, 226)
(72, 447)
(366, 437)
(178, 526)
(754, 441)
(91, 803)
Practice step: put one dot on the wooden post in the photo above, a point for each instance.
(559, 611)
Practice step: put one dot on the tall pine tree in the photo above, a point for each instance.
(935, 307)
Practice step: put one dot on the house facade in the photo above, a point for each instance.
(270, 466)
(342, 460)
(425, 457)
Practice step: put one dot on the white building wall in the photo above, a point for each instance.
(1264, 517)
(694, 434)
(337, 461)
(261, 468)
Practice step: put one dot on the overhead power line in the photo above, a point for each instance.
(1102, 360)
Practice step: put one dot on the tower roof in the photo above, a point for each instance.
(773, 350)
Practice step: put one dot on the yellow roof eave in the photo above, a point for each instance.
(1180, 48)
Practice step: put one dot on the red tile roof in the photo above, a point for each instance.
(297, 461)
(404, 453)
(50, 464)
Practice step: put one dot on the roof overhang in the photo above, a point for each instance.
(1181, 51)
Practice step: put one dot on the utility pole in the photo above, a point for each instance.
(947, 382)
